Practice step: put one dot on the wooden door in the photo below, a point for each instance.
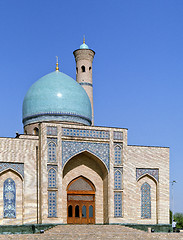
(80, 203)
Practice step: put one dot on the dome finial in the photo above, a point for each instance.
(57, 68)
(83, 39)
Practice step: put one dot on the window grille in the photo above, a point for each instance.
(118, 204)
(52, 204)
(9, 197)
(51, 152)
(52, 178)
(145, 200)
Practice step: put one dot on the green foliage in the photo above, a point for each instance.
(170, 217)
(178, 217)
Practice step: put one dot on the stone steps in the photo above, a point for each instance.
(94, 232)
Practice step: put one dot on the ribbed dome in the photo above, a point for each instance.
(56, 97)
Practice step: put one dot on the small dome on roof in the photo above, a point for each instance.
(84, 46)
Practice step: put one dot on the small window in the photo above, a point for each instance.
(70, 211)
(36, 131)
(76, 70)
(77, 211)
(83, 68)
(89, 68)
(90, 211)
(84, 211)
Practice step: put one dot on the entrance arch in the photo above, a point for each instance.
(80, 201)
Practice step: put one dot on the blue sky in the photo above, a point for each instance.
(137, 70)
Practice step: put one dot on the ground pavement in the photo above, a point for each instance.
(94, 232)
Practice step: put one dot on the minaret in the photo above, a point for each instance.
(84, 58)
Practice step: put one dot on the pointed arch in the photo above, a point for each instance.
(13, 171)
(90, 154)
(81, 184)
(149, 176)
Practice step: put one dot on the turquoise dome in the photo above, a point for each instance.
(56, 97)
(84, 46)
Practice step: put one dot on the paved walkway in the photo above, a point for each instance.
(95, 232)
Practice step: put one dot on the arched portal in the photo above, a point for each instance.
(80, 201)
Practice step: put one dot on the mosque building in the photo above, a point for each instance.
(64, 169)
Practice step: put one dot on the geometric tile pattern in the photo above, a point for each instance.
(72, 148)
(52, 183)
(52, 131)
(152, 172)
(118, 135)
(145, 200)
(117, 204)
(52, 204)
(85, 133)
(117, 154)
(18, 167)
(52, 152)
(118, 179)
(9, 198)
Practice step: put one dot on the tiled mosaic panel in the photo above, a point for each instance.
(18, 167)
(9, 198)
(52, 181)
(52, 152)
(52, 131)
(145, 201)
(118, 204)
(52, 204)
(117, 179)
(71, 148)
(85, 133)
(118, 135)
(118, 154)
(152, 172)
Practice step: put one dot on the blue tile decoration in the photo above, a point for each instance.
(52, 180)
(117, 204)
(52, 166)
(61, 117)
(52, 131)
(85, 83)
(154, 172)
(52, 140)
(145, 200)
(117, 179)
(118, 154)
(18, 167)
(9, 198)
(72, 148)
(71, 132)
(52, 150)
(52, 204)
(118, 135)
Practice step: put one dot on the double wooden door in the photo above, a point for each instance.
(81, 212)
(80, 202)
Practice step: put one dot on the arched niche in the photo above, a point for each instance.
(92, 168)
